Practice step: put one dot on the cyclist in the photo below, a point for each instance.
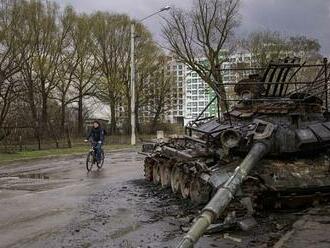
(96, 135)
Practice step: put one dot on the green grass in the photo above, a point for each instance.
(30, 155)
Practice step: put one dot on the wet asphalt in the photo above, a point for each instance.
(56, 203)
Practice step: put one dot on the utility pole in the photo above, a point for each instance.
(133, 129)
(133, 136)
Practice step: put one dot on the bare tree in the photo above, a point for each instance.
(265, 46)
(146, 57)
(86, 72)
(46, 40)
(200, 38)
(159, 92)
(111, 37)
(12, 48)
(304, 47)
(66, 67)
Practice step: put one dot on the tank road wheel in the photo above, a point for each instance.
(165, 176)
(176, 176)
(184, 186)
(156, 173)
(148, 170)
(199, 191)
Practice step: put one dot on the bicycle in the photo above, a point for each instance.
(91, 158)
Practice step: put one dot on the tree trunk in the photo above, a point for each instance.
(223, 100)
(63, 116)
(129, 111)
(80, 115)
(222, 91)
(38, 135)
(68, 137)
(44, 114)
(137, 107)
(113, 123)
(155, 120)
(34, 115)
(137, 123)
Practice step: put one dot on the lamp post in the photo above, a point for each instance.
(133, 136)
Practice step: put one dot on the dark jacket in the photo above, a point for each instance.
(96, 134)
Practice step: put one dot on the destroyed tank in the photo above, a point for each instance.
(268, 149)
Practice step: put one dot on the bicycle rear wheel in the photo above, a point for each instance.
(89, 161)
(100, 164)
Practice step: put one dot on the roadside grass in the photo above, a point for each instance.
(49, 153)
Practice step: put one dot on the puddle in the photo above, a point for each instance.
(34, 176)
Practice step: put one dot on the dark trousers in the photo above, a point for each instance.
(98, 149)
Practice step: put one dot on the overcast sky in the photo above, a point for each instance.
(304, 17)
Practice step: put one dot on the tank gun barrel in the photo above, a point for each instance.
(224, 195)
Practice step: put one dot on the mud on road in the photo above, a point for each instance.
(55, 203)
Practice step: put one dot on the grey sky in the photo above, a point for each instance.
(304, 17)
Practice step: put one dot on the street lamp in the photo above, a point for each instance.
(133, 137)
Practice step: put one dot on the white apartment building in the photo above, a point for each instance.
(198, 93)
(178, 95)
(190, 94)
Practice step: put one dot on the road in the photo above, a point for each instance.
(55, 203)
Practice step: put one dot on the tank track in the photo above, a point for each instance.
(266, 187)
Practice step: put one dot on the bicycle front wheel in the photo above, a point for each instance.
(100, 164)
(89, 161)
